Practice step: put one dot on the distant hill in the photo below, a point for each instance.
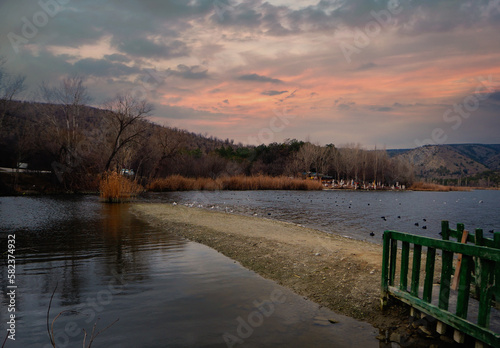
(452, 161)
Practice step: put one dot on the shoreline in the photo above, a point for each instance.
(339, 273)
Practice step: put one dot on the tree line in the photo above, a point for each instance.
(61, 133)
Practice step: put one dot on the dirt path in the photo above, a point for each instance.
(339, 273)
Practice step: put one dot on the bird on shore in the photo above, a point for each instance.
(372, 234)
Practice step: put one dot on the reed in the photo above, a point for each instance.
(114, 188)
(424, 186)
(237, 183)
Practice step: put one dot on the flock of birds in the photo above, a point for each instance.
(228, 209)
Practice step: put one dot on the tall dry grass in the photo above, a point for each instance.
(240, 182)
(115, 188)
(424, 186)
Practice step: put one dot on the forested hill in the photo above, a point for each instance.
(76, 142)
(39, 133)
(454, 163)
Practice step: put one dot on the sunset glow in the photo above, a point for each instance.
(377, 73)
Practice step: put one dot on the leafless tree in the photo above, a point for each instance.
(167, 144)
(125, 115)
(10, 87)
(324, 157)
(306, 156)
(68, 101)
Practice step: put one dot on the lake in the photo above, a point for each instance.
(102, 264)
(355, 214)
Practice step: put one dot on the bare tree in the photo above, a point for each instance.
(125, 116)
(306, 156)
(10, 87)
(324, 157)
(68, 101)
(167, 143)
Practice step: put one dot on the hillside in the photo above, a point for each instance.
(456, 161)
(75, 143)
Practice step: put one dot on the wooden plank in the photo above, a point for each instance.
(393, 261)
(459, 337)
(444, 287)
(441, 327)
(454, 285)
(480, 333)
(487, 269)
(496, 289)
(445, 230)
(480, 241)
(459, 232)
(405, 255)
(415, 272)
(464, 289)
(385, 269)
(429, 274)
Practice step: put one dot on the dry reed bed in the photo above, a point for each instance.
(115, 188)
(423, 186)
(240, 182)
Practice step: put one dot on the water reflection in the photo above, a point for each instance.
(165, 291)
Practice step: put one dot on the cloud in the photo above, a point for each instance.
(210, 47)
(381, 108)
(494, 96)
(103, 68)
(116, 57)
(142, 47)
(366, 66)
(291, 95)
(258, 78)
(186, 72)
(272, 93)
(343, 104)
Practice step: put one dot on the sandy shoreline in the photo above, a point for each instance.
(339, 273)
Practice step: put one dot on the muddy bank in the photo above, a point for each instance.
(339, 273)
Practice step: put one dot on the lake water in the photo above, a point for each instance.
(102, 264)
(356, 214)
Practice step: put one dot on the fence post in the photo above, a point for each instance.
(445, 230)
(415, 272)
(385, 270)
(496, 288)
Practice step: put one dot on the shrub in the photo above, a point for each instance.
(114, 188)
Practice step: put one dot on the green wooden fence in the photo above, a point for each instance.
(485, 255)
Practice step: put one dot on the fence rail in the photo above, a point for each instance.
(478, 262)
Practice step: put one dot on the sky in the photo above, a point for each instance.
(394, 74)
